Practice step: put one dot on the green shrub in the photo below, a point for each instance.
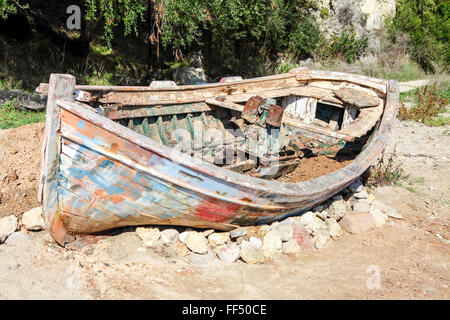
(348, 46)
(305, 39)
(429, 41)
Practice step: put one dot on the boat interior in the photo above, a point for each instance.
(265, 131)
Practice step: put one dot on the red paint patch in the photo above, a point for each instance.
(216, 211)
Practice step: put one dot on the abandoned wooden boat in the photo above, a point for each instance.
(206, 156)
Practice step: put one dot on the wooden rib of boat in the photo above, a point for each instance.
(192, 156)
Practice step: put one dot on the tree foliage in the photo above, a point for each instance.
(429, 41)
(8, 7)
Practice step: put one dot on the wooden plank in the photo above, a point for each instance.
(60, 86)
(349, 116)
(242, 165)
(115, 113)
(318, 130)
(310, 111)
(225, 104)
(365, 121)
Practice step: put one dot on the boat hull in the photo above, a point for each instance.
(99, 175)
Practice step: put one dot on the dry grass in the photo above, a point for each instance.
(429, 102)
(384, 172)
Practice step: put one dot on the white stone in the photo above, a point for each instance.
(379, 217)
(33, 220)
(334, 228)
(228, 253)
(236, 233)
(169, 236)
(196, 242)
(272, 241)
(291, 247)
(8, 225)
(370, 199)
(361, 195)
(255, 242)
(195, 258)
(217, 239)
(322, 214)
(314, 227)
(284, 231)
(183, 235)
(148, 235)
(337, 209)
(263, 229)
(251, 254)
(361, 206)
(321, 238)
(307, 218)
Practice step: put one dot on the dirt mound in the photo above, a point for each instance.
(314, 167)
(20, 166)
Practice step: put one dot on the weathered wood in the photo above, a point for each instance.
(318, 130)
(247, 200)
(366, 120)
(129, 112)
(349, 116)
(356, 98)
(60, 86)
(225, 104)
(242, 165)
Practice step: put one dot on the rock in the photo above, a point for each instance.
(207, 233)
(291, 247)
(318, 208)
(387, 209)
(228, 253)
(307, 218)
(8, 225)
(361, 206)
(168, 236)
(357, 222)
(291, 221)
(322, 214)
(33, 220)
(361, 195)
(181, 249)
(356, 186)
(195, 258)
(263, 229)
(303, 238)
(370, 198)
(148, 235)
(48, 238)
(379, 217)
(240, 239)
(284, 231)
(16, 236)
(196, 242)
(182, 236)
(337, 209)
(217, 239)
(189, 75)
(251, 254)
(321, 238)
(315, 226)
(255, 242)
(337, 197)
(239, 232)
(334, 228)
(272, 241)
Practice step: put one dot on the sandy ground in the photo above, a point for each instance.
(405, 259)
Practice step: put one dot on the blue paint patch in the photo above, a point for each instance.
(81, 124)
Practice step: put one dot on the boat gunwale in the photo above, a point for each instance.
(333, 181)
